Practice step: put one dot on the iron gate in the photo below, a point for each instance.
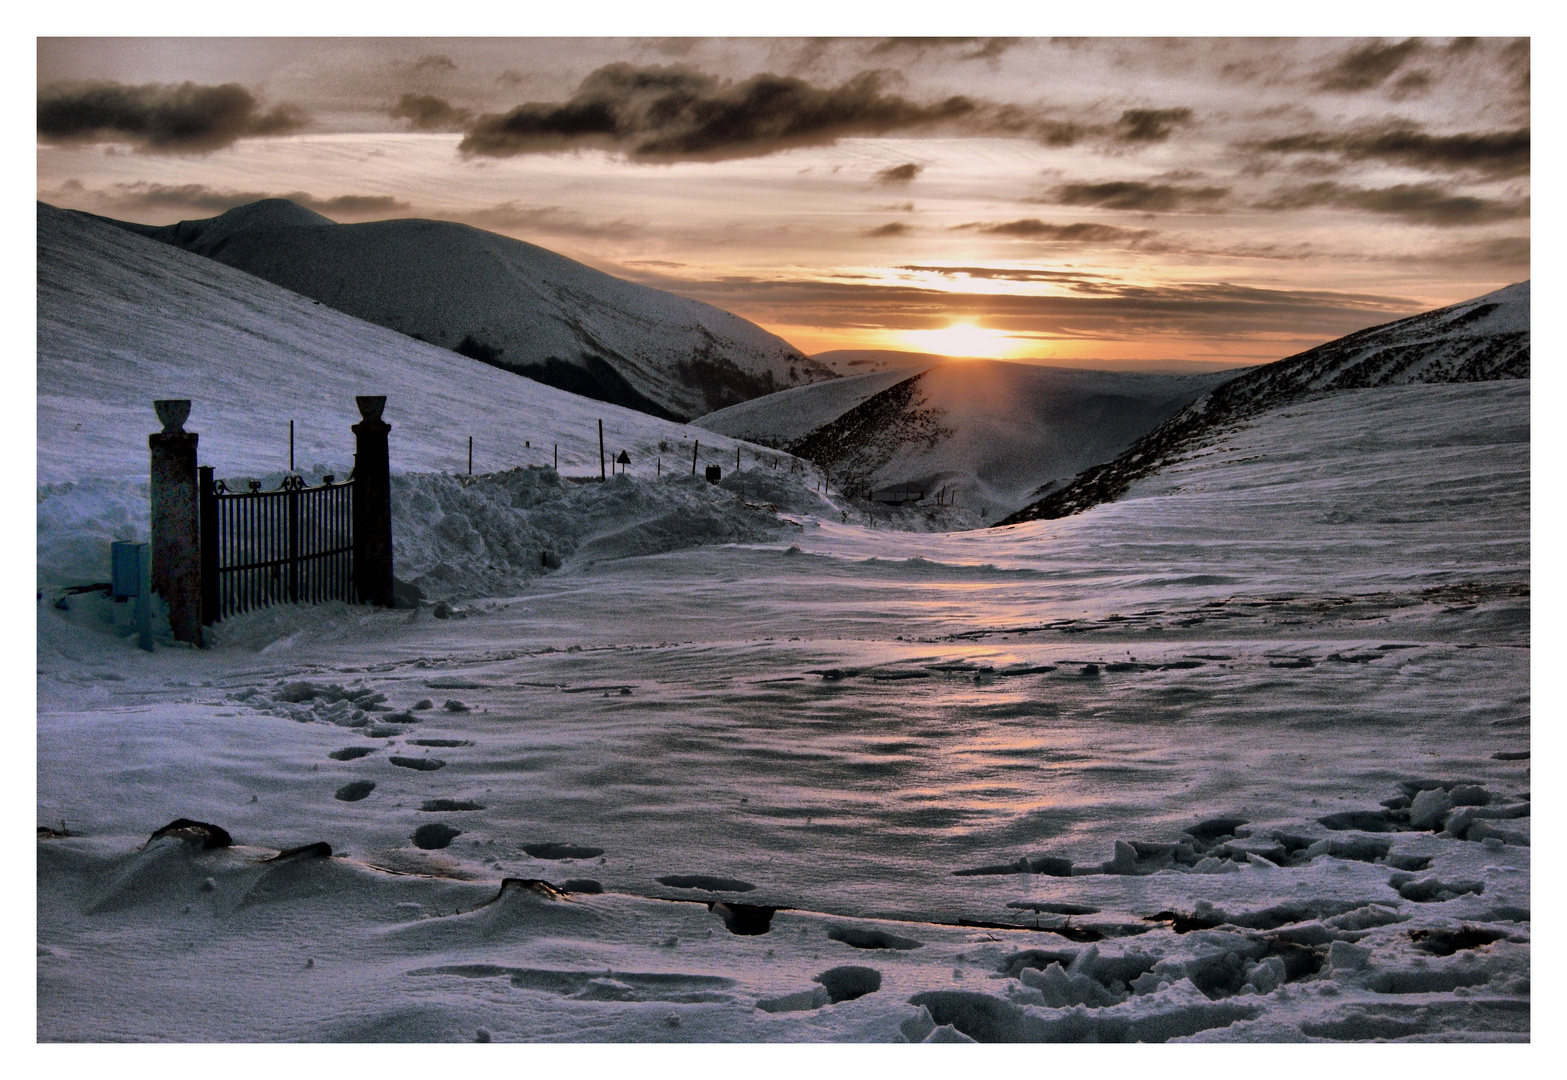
(289, 546)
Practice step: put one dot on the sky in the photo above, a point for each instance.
(1187, 201)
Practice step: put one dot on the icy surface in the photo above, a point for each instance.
(1178, 740)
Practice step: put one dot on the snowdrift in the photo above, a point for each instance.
(507, 303)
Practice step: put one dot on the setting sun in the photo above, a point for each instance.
(961, 339)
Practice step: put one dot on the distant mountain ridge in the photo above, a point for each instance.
(1478, 340)
(506, 303)
(990, 433)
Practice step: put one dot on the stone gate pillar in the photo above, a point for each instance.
(176, 552)
(372, 505)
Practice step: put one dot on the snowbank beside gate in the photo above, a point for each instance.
(460, 536)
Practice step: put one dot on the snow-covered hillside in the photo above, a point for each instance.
(1483, 339)
(988, 433)
(123, 320)
(507, 303)
(789, 415)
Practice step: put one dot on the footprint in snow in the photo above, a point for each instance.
(705, 882)
(446, 805)
(434, 836)
(351, 753)
(425, 764)
(561, 851)
(354, 790)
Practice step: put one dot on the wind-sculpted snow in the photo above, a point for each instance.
(507, 303)
(1244, 756)
(1480, 340)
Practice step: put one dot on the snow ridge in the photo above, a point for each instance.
(507, 303)
(1478, 340)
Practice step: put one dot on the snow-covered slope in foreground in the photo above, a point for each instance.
(987, 433)
(1479, 340)
(1243, 756)
(509, 303)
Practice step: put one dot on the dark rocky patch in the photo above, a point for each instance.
(208, 836)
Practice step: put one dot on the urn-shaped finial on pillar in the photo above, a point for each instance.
(370, 406)
(172, 413)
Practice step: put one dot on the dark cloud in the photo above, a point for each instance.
(1136, 195)
(660, 113)
(158, 118)
(199, 199)
(892, 228)
(435, 62)
(1500, 153)
(899, 174)
(429, 113)
(1150, 125)
(1367, 66)
(1423, 203)
(1078, 232)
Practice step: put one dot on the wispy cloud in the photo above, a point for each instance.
(898, 174)
(143, 197)
(1367, 66)
(429, 113)
(1499, 153)
(1150, 125)
(1137, 195)
(1427, 204)
(1083, 232)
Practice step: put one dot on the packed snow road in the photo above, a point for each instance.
(1243, 756)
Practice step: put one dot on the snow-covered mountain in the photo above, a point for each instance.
(1478, 340)
(123, 320)
(507, 303)
(987, 432)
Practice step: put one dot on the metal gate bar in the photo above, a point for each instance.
(259, 548)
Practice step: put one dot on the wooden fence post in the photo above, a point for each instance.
(176, 555)
(372, 505)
